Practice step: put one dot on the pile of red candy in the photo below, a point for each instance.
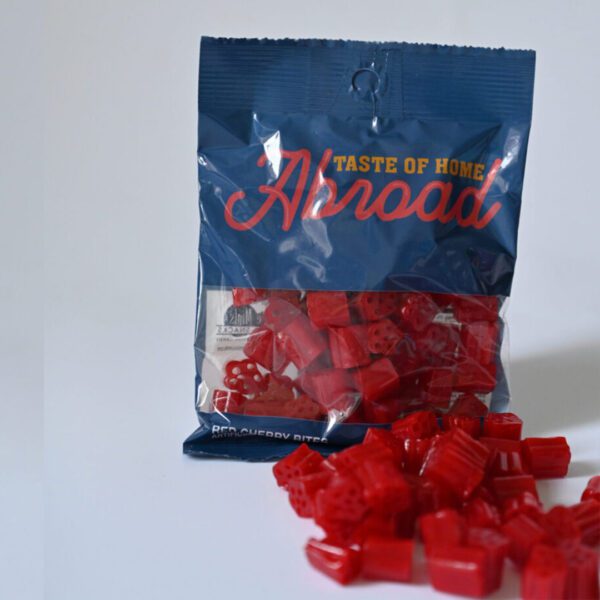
(364, 356)
(467, 491)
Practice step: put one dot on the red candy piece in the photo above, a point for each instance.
(526, 503)
(592, 490)
(505, 456)
(479, 342)
(243, 376)
(373, 306)
(385, 488)
(444, 527)
(387, 559)
(302, 407)
(582, 572)
(524, 534)
(341, 501)
(432, 497)
(383, 337)
(385, 410)
(279, 313)
(302, 461)
(545, 575)
(513, 485)
(228, 401)
(438, 386)
(560, 525)
(301, 342)
(385, 437)
(278, 390)
(546, 457)
(480, 513)
(243, 296)
(420, 424)
(263, 348)
(502, 425)
(328, 309)
(332, 389)
(471, 425)
(459, 570)
(457, 461)
(303, 490)
(348, 346)
(496, 546)
(418, 311)
(470, 406)
(341, 563)
(471, 376)
(468, 309)
(378, 380)
(437, 344)
(415, 450)
(587, 517)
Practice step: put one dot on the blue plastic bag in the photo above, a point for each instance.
(390, 173)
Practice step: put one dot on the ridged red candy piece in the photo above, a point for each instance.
(340, 563)
(479, 342)
(431, 497)
(301, 342)
(471, 376)
(523, 533)
(263, 348)
(243, 376)
(526, 503)
(332, 389)
(592, 489)
(545, 574)
(384, 410)
(387, 559)
(328, 309)
(279, 314)
(480, 513)
(348, 346)
(582, 572)
(383, 337)
(475, 308)
(502, 425)
(244, 296)
(377, 380)
(349, 459)
(384, 487)
(302, 407)
(471, 425)
(302, 461)
(587, 518)
(438, 343)
(546, 457)
(560, 525)
(278, 390)
(420, 424)
(459, 570)
(373, 306)
(437, 387)
(417, 310)
(457, 461)
(415, 450)
(469, 405)
(512, 485)
(376, 435)
(302, 492)
(445, 527)
(374, 524)
(228, 401)
(496, 546)
(505, 458)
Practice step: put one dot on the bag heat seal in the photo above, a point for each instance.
(359, 208)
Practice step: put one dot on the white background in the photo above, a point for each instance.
(97, 146)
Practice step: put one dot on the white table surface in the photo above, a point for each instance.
(104, 94)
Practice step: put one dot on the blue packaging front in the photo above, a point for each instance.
(359, 209)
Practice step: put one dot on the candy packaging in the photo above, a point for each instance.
(359, 209)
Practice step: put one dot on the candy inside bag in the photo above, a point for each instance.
(359, 211)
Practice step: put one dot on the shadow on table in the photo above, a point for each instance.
(557, 390)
